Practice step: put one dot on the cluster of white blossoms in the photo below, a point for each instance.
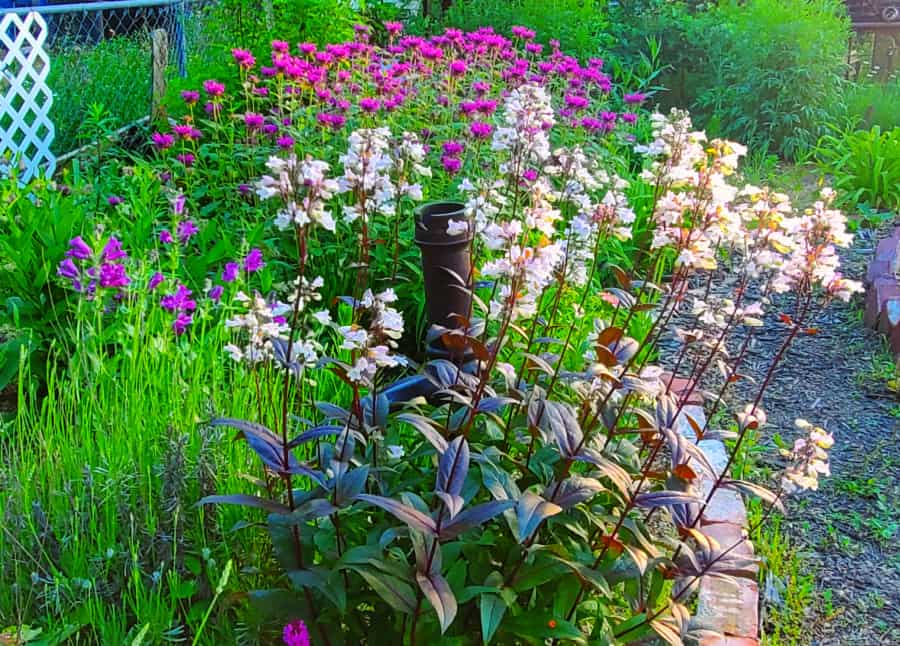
(408, 155)
(809, 458)
(813, 260)
(373, 346)
(367, 173)
(304, 189)
(527, 119)
(263, 324)
(484, 200)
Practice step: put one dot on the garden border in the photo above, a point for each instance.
(883, 290)
(727, 607)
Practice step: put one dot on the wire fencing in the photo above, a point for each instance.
(101, 53)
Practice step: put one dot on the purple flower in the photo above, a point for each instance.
(628, 117)
(186, 131)
(216, 293)
(523, 32)
(244, 189)
(230, 273)
(178, 204)
(458, 67)
(165, 237)
(190, 96)
(451, 164)
(530, 175)
(285, 142)
(243, 58)
(187, 159)
(214, 88)
(369, 105)
(253, 121)
(296, 634)
(253, 262)
(452, 147)
(162, 140)
(181, 323)
(112, 251)
(154, 281)
(179, 301)
(78, 248)
(186, 229)
(393, 28)
(634, 98)
(67, 269)
(113, 275)
(480, 129)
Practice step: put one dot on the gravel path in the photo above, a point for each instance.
(849, 530)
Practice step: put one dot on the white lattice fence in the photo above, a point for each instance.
(25, 98)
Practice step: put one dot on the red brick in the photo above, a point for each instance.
(894, 340)
(726, 506)
(730, 607)
(879, 269)
(881, 291)
(728, 641)
(728, 535)
(887, 248)
(680, 387)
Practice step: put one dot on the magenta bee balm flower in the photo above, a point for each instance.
(296, 634)
(214, 88)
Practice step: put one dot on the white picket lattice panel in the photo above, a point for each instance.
(25, 97)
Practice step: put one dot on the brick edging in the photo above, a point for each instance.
(729, 607)
(883, 290)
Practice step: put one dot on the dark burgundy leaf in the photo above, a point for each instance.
(315, 433)
(425, 426)
(246, 500)
(439, 594)
(474, 516)
(531, 511)
(665, 499)
(406, 514)
(453, 467)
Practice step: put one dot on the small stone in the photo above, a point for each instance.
(890, 315)
(726, 506)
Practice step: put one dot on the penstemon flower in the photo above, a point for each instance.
(303, 188)
(809, 458)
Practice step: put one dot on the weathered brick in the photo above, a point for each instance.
(727, 535)
(878, 269)
(879, 293)
(680, 386)
(728, 641)
(887, 248)
(728, 606)
(683, 426)
(726, 506)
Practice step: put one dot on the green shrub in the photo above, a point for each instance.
(769, 72)
(874, 104)
(865, 165)
(114, 72)
(577, 24)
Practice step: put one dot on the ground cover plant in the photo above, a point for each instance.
(255, 278)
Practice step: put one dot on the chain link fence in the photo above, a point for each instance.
(101, 55)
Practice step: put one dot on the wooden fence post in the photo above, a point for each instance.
(159, 62)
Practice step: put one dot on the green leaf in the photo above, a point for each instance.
(535, 627)
(440, 596)
(492, 610)
(395, 592)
